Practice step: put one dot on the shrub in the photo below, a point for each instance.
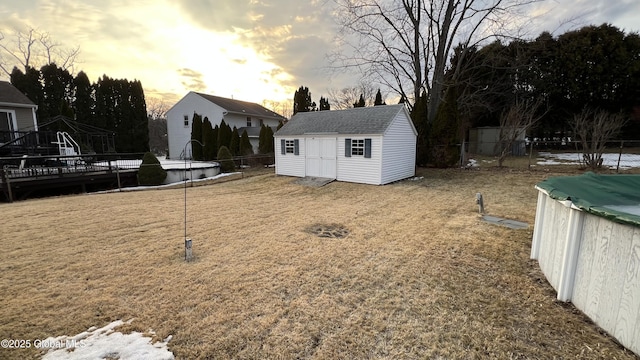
(226, 160)
(151, 172)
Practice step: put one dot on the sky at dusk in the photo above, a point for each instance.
(251, 50)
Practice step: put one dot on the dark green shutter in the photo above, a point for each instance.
(282, 149)
(347, 147)
(296, 147)
(367, 148)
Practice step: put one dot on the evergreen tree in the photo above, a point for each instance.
(104, 103)
(378, 101)
(360, 103)
(83, 102)
(209, 151)
(57, 89)
(224, 135)
(234, 144)
(138, 126)
(324, 104)
(196, 134)
(151, 172)
(444, 136)
(28, 83)
(226, 160)
(261, 140)
(245, 145)
(214, 141)
(302, 100)
(269, 147)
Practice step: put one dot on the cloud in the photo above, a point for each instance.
(192, 80)
(293, 35)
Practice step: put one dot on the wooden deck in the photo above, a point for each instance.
(63, 174)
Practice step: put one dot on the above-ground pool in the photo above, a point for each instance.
(586, 239)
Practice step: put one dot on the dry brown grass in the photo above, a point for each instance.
(417, 276)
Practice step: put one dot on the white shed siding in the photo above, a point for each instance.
(177, 133)
(290, 164)
(358, 168)
(399, 150)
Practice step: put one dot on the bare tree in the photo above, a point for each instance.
(406, 44)
(284, 108)
(33, 48)
(514, 124)
(346, 97)
(593, 128)
(157, 115)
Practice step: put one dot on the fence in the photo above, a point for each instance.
(559, 155)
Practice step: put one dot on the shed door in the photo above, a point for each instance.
(321, 157)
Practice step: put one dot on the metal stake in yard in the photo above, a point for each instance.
(188, 255)
(480, 203)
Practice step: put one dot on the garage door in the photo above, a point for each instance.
(321, 157)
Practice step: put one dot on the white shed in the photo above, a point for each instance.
(371, 145)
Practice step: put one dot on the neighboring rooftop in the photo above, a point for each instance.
(9, 94)
(241, 107)
(365, 120)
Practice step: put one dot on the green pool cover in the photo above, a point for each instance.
(616, 197)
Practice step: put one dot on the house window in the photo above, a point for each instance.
(289, 146)
(186, 120)
(248, 121)
(261, 122)
(357, 147)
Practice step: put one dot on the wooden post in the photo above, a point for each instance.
(5, 179)
(530, 155)
(619, 156)
(118, 177)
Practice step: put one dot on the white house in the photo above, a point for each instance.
(241, 114)
(17, 112)
(371, 145)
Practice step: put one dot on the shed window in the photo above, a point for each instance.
(290, 147)
(357, 147)
(186, 120)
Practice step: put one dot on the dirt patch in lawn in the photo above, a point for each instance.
(328, 231)
(418, 276)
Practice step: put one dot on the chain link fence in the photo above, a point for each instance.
(619, 156)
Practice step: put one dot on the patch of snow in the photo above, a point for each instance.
(471, 163)
(138, 188)
(166, 164)
(627, 161)
(104, 343)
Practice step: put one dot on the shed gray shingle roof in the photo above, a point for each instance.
(9, 94)
(365, 120)
(242, 107)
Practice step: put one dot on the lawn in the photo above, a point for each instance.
(416, 274)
